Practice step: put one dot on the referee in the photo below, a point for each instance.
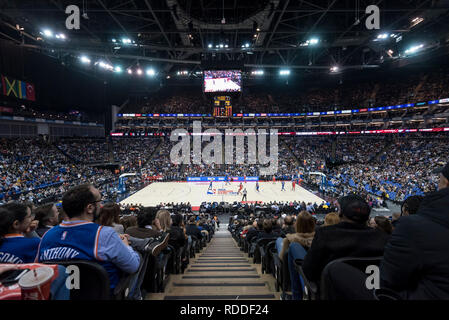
(244, 195)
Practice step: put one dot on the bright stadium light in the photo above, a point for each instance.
(335, 69)
(210, 45)
(247, 45)
(105, 65)
(284, 72)
(314, 41)
(85, 60)
(257, 72)
(139, 72)
(151, 72)
(414, 49)
(130, 71)
(48, 33)
(383, 36)
(118, 69)
(416, 21)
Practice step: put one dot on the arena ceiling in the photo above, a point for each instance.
(263, 33)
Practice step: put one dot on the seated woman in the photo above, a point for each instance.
(305, 231)
(15, 248)
(110, 216)
(48, 217)
(15, 220)
(296, 245)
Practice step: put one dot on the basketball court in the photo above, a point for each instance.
(197, 192)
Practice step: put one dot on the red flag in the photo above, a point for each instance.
(31, 95)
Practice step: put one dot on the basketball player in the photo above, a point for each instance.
(227, 179)
(293, 184)
(210, 185)
(257, 186)
(244, 178)
(274, 180)
(240, 188)
(283, 185)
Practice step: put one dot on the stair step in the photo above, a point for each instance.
(223, 277)
(220, 284)
(221, 266)
(223, 270)
(187, 291)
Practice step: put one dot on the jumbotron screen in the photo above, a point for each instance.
(222, 80)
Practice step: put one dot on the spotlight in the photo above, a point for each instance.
(130, 71)
(284, 72)
(314, 41)
(85, 60)
(257, 72)
(210, 45)
(118, 69)
(383, 36)
(139, 72)
(151, 72)
(113, 40)
(335, 69)
(48, 33)
(247, 45)
(414, 49)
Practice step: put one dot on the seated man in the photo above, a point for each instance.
(79, 238)
(349, 238)
(416, 259)
(255, 230)
(192, 229)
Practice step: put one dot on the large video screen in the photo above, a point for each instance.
(222, 80)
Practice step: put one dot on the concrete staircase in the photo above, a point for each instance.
(220, 272)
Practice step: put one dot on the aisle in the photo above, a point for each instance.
(221, 271)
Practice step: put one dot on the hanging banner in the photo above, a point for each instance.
(18, 89)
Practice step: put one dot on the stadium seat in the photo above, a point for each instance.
(314, 291)
(94, 280)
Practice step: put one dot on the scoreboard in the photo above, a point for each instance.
(222, 106)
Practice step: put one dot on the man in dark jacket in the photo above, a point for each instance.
(255, 230)
(416, 259)
(349, 238)
(192, 229)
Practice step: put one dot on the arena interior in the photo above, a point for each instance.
(111, 111)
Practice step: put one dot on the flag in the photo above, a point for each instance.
(30, 93)
(10, 87)
(22, 90)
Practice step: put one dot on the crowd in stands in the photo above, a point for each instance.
(329, 256)
(86, 221)
(388, 90)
